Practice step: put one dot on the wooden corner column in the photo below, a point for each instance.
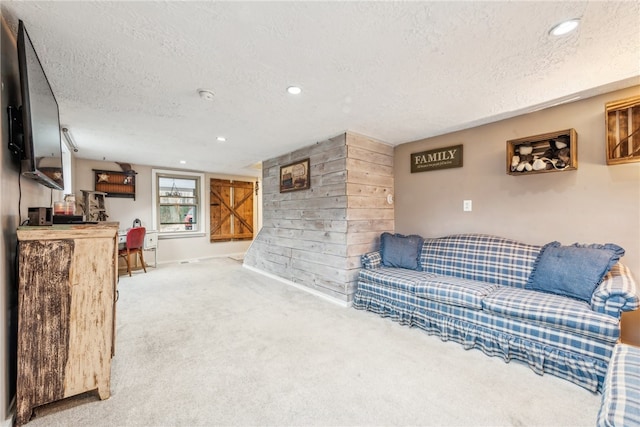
(66, 312)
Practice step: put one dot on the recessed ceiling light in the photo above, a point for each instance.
(183, 162)
(564, 27)
(294, 90)
(221, 139)
(206, 94)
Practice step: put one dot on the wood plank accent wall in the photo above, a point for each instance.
(315, 237)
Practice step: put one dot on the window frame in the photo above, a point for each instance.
(201, 202)
(67, 169)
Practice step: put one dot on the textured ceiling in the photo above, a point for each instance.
(126, 74)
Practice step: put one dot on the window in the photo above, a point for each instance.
(66, 169)
(178, 202)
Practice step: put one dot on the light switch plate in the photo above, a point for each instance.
(467, 205)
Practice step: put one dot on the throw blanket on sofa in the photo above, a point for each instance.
(477, 290)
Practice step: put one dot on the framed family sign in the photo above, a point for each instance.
(439, 158)
(295, 176)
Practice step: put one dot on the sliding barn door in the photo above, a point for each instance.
(231, 210)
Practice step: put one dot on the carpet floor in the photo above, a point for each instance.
(213, 343)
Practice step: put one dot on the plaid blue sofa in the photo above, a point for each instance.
(471, 290)
(621, 394)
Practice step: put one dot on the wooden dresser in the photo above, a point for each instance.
(66, 312)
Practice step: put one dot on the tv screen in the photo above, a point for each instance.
(42, 150)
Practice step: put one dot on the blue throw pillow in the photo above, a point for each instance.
(401, 251)
(574, 271)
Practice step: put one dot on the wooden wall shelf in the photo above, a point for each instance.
(523, 152)
(622, 120)
(116, 183)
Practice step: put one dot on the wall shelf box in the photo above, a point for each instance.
(545, 148)
(93, 205)
(116, 183)
(622, 121)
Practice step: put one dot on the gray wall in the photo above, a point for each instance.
(315, 237)
(594, 204)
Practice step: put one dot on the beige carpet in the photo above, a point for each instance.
(212, 343)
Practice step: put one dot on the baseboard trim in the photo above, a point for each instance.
(319, 294)
(233, 255)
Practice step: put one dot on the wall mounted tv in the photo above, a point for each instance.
(35, 126)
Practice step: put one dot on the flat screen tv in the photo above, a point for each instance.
(41, 151)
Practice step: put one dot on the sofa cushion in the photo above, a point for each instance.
(480, 257)
(557, 311)
(401, 251)
(574, 271)
(455, 291)
(398, 278)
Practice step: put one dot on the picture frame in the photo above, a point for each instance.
(295, 176)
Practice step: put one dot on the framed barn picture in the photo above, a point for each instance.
(295, 176)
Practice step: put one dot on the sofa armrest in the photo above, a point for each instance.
(618, 292)
(620, 405)
(371, 260)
